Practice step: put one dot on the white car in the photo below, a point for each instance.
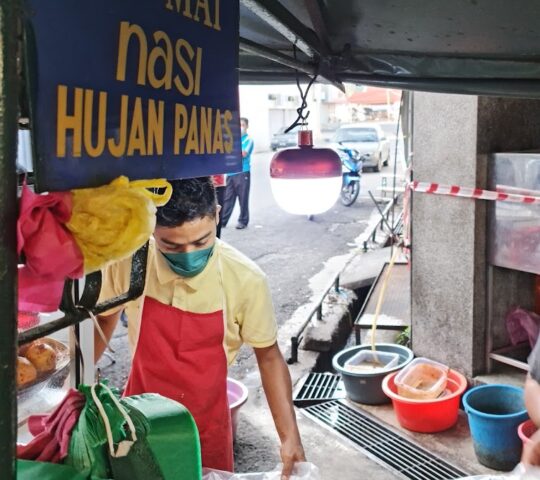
(369, 140)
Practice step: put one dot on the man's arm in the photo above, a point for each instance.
(107, 324)
(531, 452)
(277, 386)
(249, 148)
(532, 399)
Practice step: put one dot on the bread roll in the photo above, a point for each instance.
(26, 372)
(24, 348)
(42, 356)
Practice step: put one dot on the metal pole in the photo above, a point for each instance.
(9, 95)
(294, 351)
(395, 171)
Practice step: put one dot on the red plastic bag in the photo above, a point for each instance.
(51, 252)
(522, 325)
(52, 433)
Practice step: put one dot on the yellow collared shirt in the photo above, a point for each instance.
(230, 281)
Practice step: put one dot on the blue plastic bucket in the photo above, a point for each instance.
(495, 412)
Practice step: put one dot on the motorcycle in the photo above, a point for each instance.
(351, 166)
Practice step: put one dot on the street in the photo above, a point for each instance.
(297, 254)
(292, 249)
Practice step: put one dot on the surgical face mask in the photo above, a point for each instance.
(188, 264)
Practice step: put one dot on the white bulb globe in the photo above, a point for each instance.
(306, 196)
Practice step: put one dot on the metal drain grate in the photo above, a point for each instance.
(317, 388)
(381, 444)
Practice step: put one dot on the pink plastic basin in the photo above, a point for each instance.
(237, 393)
(526, 430)
(427, 416)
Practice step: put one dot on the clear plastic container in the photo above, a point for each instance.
(366, 361)
(422, 379)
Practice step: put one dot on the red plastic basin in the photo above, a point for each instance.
(526, 430)
(427, 416)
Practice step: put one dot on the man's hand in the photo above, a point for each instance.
(531, 451)
(291, 452)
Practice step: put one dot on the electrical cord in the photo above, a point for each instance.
(302, 118)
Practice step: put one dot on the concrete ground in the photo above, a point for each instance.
(325, 448)
(298, 269)
(257, 446)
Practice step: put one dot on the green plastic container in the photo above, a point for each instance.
(168, 447)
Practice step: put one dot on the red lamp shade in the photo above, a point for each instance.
(305, 161)
(306, 180)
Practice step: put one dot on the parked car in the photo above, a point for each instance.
(281, 139)
(369, 140)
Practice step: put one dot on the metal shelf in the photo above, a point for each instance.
(74, 314)
(515, 356)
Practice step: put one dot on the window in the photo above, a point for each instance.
(356, 135)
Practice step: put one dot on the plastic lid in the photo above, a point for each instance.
(422, 379)
(368, 361)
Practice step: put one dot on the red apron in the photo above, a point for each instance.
(180, 355)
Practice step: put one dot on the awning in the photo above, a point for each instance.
(485, 47)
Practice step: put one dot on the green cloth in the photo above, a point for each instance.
(167, 446)
(88, 448)
(30, 470)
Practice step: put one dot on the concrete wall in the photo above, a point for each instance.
(453, 136)
(256, 106)
(445, 292)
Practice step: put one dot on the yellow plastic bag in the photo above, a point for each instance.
(110, 223)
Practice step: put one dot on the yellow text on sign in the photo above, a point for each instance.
(198, 11)
(155, 65)
(83, 122)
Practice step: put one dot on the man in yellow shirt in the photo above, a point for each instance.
(203, 299)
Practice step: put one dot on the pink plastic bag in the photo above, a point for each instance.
(522, 326)
(301, 471)
(51, 252)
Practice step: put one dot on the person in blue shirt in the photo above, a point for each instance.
(238, 183)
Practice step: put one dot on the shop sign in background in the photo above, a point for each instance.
(145, 88)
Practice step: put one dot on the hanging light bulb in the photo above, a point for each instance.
(305, 180)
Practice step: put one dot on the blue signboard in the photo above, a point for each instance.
(143, 88)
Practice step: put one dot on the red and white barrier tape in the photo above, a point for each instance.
(467, 192)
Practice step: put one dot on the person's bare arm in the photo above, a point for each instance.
(107, 324)
(277, 386)
(532, 399)
(531, 452)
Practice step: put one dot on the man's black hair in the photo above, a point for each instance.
(192, 198)
(245, 120)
